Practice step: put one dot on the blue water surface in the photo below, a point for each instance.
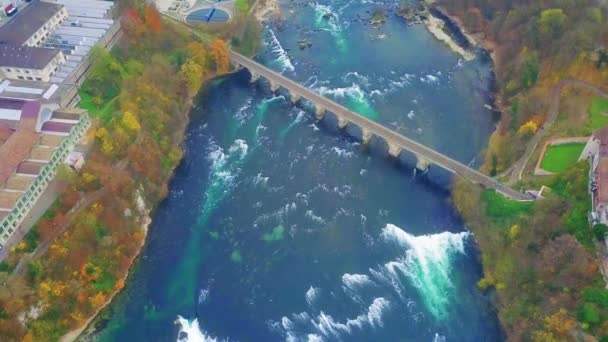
(282, 228)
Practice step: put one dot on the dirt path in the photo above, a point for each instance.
(515, 172)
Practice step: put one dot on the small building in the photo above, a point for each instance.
(596, 151)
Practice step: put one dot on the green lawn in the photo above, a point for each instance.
(104, 113)
(503, 210)
(599, 112)
(558, 158)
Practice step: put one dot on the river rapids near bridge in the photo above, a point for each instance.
(278, 227)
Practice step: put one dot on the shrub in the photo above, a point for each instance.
(589, 313)
(600, 230)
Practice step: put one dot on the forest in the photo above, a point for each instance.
(78, 255)
(542, 260)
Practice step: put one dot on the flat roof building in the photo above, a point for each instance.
(21, 38)
(596, 151)
(35, 138)
(33, 22)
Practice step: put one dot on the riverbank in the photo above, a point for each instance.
(138, 141)
(437, 27)
(540, 260)
(263, 9)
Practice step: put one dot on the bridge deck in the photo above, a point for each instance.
(387, 134)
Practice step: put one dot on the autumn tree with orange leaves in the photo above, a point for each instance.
(219, 54)
(152, 19)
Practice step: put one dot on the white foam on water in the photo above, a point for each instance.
(411, 115)
(355, 281)
(239, 146)
(354, 91)
(279, 216)
(429, 79)
(439, 338)
(282, 57)
(314, 338)
(326, 325)
(260, 180)
(190, 331)
(356, 77)
(343, 153)
(203, 295)
(426, 263)
(311, 295)
(314, 218)
(244, 113)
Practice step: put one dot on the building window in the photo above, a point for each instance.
(27, 71)
(20, 77)
(38, 79)
(8, 70)
(30, 78)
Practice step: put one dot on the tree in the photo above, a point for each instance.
(552, 21)
(219, 55)
(528, 128)
(602, 58)
(529, 70)
(198, 53)
(132, 24)
(193, 74)
(129, 122)
(152, 18)
(242, 6)
(600, 230)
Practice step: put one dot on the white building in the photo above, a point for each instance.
(21, 39)
(596, 151)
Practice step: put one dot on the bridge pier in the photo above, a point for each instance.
(294, 98)
(366, 135)
(274, 86)
(422, 164)
(319, 112)
(342, 122)
(236, 66)
(254, 76)
(393, 150)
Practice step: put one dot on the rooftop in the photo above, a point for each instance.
(26, 57)
(19, 142)
(26, 22)
(39, 91)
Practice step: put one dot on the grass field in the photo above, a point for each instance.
(104, 113)
(558, 158)
(599, 112)
(501, 209)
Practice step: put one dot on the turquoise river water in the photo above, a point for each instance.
(279, 227)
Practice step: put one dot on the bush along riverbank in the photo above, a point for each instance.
(79, 254)
(542, 260)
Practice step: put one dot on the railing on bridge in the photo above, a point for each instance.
(395, 141)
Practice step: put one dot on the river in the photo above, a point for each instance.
(278, 227)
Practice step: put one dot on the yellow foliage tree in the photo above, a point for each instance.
(514, 232)
(98, 300)
(529, 127)
(198, 53)
(560, 323)
(193, 74)
(130, 122)
(485, 282)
